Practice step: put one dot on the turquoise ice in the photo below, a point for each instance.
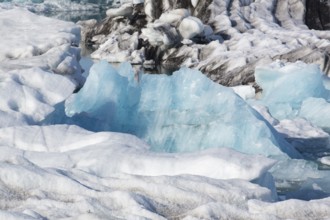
(182, 112)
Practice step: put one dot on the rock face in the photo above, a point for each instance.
(229, 40)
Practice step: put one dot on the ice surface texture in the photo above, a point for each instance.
(56, 171)
(74, 171)
(40, 42)
(34, 35)
(182, 112)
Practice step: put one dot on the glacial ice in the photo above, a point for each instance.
(182, 112)
(286, 86)
(316, 111)
(295, 90)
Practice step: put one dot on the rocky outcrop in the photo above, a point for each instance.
(226, 40)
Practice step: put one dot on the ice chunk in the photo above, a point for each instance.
(295, 93)
(316, 111)
(159, 33)
(137, 1)
(125, 10)
(325, 160)
(312, 189)
(299, 128)
(245, 92)
(286, 86)
(182, 112)
(191, 27)
(173, 17)
(303, 135)
(300, 171)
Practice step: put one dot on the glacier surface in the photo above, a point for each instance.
(66, 172)
(182, 112)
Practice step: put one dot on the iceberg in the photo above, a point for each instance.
(183, 112)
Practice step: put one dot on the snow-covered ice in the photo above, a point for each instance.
(36, 53)
(34, 35)
(33, 93)
(40, 42)
(91, 152)
(65, 171)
